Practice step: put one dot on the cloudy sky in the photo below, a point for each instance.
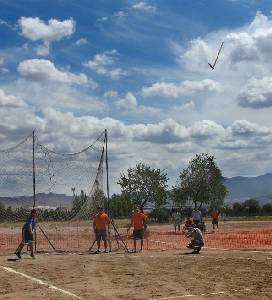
(70, 69)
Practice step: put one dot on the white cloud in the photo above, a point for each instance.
(184, 88)
(10, 101)
(81, 42)
(143, 6)
(129, 102)
(43, 50)
(102, 63)
(246, 128)
(36, 29)
(190, 105)
(257, 93)
(44, 70)
(205, 129)
(111, 94)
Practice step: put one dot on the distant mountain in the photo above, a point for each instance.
(242, 188)
(42, 199)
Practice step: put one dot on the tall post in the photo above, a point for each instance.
(34, 184)
(107, 171)
(33, 168)
(108, 190)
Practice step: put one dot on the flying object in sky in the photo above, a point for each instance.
(212, 66)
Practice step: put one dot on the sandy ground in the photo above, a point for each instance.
(213, 274)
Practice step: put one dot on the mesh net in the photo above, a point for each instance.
(69, 187)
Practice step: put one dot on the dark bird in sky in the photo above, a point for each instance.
(212, 66)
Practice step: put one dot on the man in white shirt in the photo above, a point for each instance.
(196, 216)
(196, 240)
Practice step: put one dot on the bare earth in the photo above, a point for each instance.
(213, 274)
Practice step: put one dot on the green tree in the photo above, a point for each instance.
(143, 184)
(78, 202)
(2, 212)
(251, 207)
(202, 182)
(267, 208)
(120, 206)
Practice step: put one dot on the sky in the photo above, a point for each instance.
(70, 69)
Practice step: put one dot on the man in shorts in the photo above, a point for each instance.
(176, 218)
(196, 240)
(138, 222)
(196, 216)
(100, 223)
(28, 230)
(215, 216)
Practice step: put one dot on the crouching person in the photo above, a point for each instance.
(196, 240)
(28, 234)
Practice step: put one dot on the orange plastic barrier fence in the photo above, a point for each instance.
(156, 240)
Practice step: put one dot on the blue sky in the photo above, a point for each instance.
(140, 69)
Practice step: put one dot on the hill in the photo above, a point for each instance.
(242, 188)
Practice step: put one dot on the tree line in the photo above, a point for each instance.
(200, 185)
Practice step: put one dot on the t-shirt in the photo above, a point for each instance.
(101, 221)
(215, 214)
(30, 221)
(196, 215)
(197, 234)
(176, 217)
(137, 220)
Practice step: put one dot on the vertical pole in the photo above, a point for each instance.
(107, 171)
(108, 190)
(34, 182)
(33, 168)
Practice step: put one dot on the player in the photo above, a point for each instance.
(196, 216)
(138, 222)
(27, 234)
(215, 216)
(196, 240)
(100, 223)
(176, 218)
(187, 226)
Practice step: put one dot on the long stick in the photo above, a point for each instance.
(108, 190)
(47, 238)
(34, 182)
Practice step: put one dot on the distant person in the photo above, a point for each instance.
(187, 226)
(196, 240)
(215, 218)
(28, 234)
(138, 222)
(176, 219)
(100, 223)
(196, 216)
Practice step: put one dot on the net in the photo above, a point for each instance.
(66, 188)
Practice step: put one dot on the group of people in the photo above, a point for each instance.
(101, 222)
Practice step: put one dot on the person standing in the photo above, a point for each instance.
(176, 218)
(138, 222)
(215, 217)
(28, 230)
(196, 216)
(100, 223)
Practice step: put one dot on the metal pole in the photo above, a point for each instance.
(34, 182)
(33, 168)
(107, 170)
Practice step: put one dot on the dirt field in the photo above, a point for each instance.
(213, 274)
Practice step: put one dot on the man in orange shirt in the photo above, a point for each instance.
(138, 221)
(100, 223)
(215, 216)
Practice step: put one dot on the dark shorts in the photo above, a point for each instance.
(26, 236)
(196, 222)
(197, 243)
(100, 235)
(138, 234)
(215, 221)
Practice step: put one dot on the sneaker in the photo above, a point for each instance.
(105, 251)
(97, 251)
(32, 255)
(18, 254)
